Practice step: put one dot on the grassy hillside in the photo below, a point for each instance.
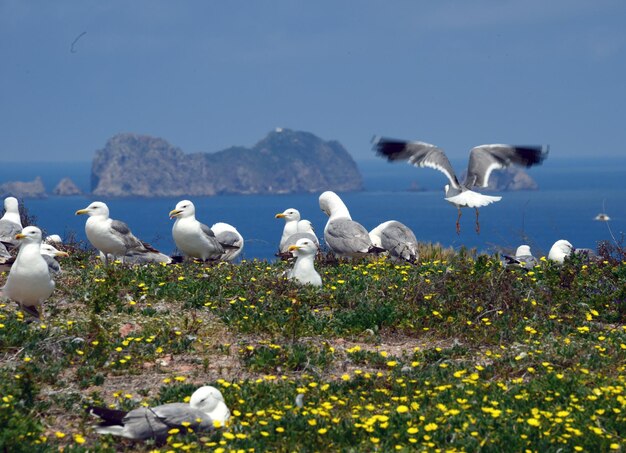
(456, 354)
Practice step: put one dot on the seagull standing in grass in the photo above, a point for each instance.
(205, 408)
(293, 225)
(304, 269)
(523, 258)
(193, 238)
(113, 237)
(344, 236)
(29, 282)
(482, 161)
(562, 248)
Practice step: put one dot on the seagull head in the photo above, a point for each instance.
(332, 205)
(184, 208)
(289, 215)
(49, 250)
(560, 250)
(523, 250)
(11, 205)
(206, 398)
(97, 208)
(303, 247)
(30, 234)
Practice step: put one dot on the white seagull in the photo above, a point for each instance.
(230, 239)
(50, 253)
(205, 407)
(344, 236)
(193, 238)
(113, 237)
(303, 270)
(293, 225)
(482, 161)
(29, 282)
(10, 223)
(397, 239)
(562, 248)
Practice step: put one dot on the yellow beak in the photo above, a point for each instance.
(60, 253)
(81, 211)
(174, 213)
(293, 247)
(279, 216)
(20, 236)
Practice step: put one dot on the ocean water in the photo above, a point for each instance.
(571, 194)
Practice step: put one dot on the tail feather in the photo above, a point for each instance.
(108, 416)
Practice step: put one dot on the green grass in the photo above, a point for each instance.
(456, 354)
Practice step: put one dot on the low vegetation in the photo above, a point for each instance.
(457, 353)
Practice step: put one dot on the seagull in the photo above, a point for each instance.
(561, 249)
(303, 269)
(230, 239)
(482, 161)
(602, 217)
(113, 237)
(205, 407)
(10, 223)
(523, 258)
(293, 225)
(344, 236)
(397, 239)
(29, 282)
(49, 253)
(193, 238)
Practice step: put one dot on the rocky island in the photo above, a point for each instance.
(285, 161)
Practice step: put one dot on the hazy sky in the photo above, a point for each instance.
(206, 75)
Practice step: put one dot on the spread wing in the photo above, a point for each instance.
(486, 158)
(419, 154)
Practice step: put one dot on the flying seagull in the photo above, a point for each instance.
(205, 407)
(483, 160)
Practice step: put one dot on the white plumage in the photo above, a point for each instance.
(303, 270)
(193, 238)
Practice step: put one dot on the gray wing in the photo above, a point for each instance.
(345, 236)
(4, 253)
(228, 239)
(486, 158)
(121, 229)
(8, 230)
(419, 154)
(146, 422)
(291, 240)
(399, 241)
(53, 265)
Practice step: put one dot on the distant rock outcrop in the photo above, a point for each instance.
(67, 187)
(23, 189)
(285, 161)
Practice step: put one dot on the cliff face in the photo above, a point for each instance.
(284, 161)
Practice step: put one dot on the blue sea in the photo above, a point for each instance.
(571, 193)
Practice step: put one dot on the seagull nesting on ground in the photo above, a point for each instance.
(205, 407)
(113, 237)
(561, 249)
(10, 223)
(482, 161)
(193, 238)
(29, 282)
(230, 239)
(50, 253)
(523, 258)
(344, 236)
(303, 269)
(397, 239)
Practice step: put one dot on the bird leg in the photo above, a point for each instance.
(458, 222)
(477, 223)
